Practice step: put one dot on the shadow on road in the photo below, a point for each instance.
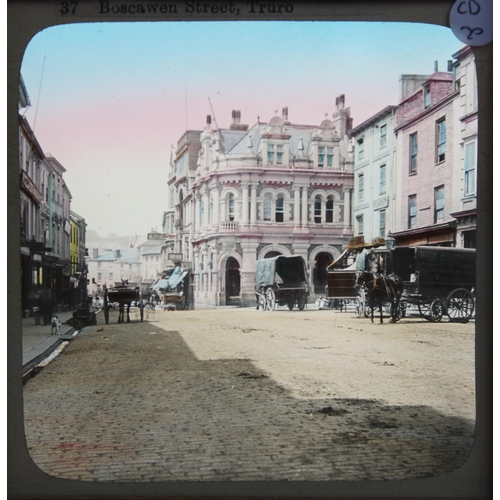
(132, 403)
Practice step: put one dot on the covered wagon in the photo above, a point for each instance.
(280, 281)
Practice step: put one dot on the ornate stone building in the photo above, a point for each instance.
(245, 193)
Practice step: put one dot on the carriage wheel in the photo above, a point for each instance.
(432, 311)
(400, 312)
(105, 305)
(271, 299)
(460, 305)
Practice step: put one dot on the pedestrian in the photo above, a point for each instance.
(47, 305)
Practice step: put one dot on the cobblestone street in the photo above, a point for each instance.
(246, 395)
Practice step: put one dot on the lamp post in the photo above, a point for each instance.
(390, 241)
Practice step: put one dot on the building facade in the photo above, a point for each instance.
(33, 213)
(415, 163)
(374, 176)
(46, 225)
(466, 146)
(78, 254)
(58, 234)
(426, 163)
(246, 193)
(113, 266)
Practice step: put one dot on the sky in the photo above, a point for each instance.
(110, 100)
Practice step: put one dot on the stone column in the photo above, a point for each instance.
(244, 208)
(216, 207)
(247, 273)
(347, 207)
(196, 211)
(253, 203)
(304, 221)
(296, 206)
(204, 222)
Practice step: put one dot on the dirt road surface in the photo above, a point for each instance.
(240, 394)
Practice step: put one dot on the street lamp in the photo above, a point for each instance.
(390, 241)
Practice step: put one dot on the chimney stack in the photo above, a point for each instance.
(209, 119)
(236, 116)
(236, 125)
(436, 67)
(285, 113)
(340, 101)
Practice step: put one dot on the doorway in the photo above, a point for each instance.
(320, 277)
(232, 282)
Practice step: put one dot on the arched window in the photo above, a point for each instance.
(267, 207)
(279, 209)
(230, 207)
(317, 210)
(329, 209)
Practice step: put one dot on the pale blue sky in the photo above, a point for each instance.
(111, 98)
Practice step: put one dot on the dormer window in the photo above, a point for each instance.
(279, 154)
(427, 96)
(329, 157)
(321, 157)
(275, 154)
(270, 154)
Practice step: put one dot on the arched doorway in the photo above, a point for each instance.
(320, 276)
(273, 253)
(232, 282)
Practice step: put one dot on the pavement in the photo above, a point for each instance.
(39, 342)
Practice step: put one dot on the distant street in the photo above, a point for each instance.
(241, 394)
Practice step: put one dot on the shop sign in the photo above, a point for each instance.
(28, 185)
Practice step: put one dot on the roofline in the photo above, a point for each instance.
(30, 135)
(464, 50)
(387, 110)
(428, 111)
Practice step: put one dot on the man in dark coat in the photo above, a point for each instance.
(47, 305)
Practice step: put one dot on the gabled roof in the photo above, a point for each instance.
(153, 250)
(296, 132)
(230, 138)
(126, 255)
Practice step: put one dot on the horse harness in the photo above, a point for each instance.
(387, 287)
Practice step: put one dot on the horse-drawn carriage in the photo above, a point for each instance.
(281, 281)
(436, 281)
(341, 288)
(123, 294)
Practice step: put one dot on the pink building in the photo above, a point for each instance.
(425, 124)
(274, 188)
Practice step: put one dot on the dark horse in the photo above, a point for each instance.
(124, 295)
(382, 289)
